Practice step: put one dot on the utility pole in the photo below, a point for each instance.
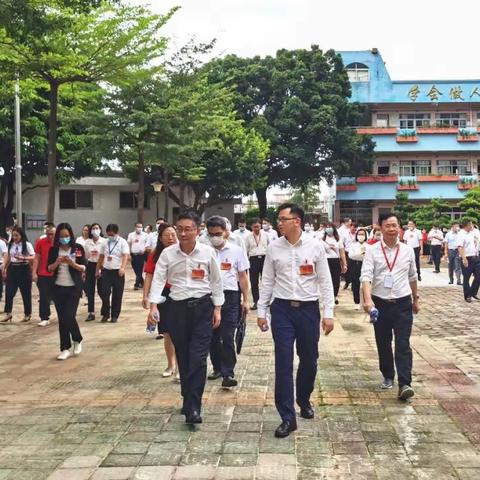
(18, 157)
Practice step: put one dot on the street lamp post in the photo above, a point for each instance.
(18, 157)
(157, 187)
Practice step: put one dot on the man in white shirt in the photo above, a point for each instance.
(3, 259)
(348, 237)
(111, 265)
(344, 227)
(138, 242)
(389, 282)
(256, 245)
(451, 252)
(413, 238)
(196, 294)
(242, 231)
(468, 251)
(229, 236)
(269, 230)
(295, 276)
(234, 265)
(436, 241)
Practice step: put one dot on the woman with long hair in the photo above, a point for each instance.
(166, 237)
(85, 235)
(67, 260)
(356, 255)
(92, 253)
(18, 274)
(335, 251)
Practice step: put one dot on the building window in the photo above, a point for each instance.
(358, 72)
(383, 120)
(478, 119)
(73, 199)
(452, 167)
(415, 167)
(129, 200)
(451, 120)
(383, 167)
(414, 120)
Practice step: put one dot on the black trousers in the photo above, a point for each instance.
(112, 285)
(1, 286)
(299, 326)
(417, 260)
(66, 303)
(256, 268)
(19, 277)
(45, 286)
(90, 282)
(348, 274)
(335, 271)
(473, 268)
(436, 256)
(138, 261)
(355, 270)
(222, 346)
(394, 319)
(191, 333)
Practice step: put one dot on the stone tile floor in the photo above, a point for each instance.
(108, 414)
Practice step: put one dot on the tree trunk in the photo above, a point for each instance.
(167, 196)
(52, 150)
(141, 185)
(261, 194)
(182, 195)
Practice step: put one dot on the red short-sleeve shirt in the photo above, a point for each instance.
(42, 247)
(149, 266)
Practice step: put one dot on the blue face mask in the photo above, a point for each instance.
(112, 238)
(329, 231)
(64, 240)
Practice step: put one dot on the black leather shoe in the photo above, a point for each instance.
(114, 320)
(90, 318)
(229, 382)
(253, 307)
(214, 375)
(105, 319)
(194, 417)
(285, 428)
(307, 411)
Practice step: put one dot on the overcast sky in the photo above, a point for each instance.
(423, 39)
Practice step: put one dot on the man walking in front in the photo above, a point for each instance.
(138, 242)
(468, 253)
(196, 292)
(389, 281)
(295, 275)
(451, 252)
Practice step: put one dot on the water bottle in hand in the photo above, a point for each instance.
(373, 316)
(152, 328)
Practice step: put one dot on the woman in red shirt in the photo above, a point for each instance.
(166, 237)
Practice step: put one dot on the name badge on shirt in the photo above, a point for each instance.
(306, 269)
(225, 266)
(78, 253)
(198, 273)
(388, 281)
(109, 259)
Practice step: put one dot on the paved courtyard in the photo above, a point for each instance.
(108, 414)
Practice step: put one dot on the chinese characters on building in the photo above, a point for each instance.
(434, 93)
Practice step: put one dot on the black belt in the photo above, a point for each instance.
(194, 302)
(390, 300)
(297, 303)
(18, 264)
(230, 292)
(137, 254)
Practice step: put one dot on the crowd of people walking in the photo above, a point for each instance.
(197, 278)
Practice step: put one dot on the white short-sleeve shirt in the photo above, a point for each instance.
(231, 259)
(114, 251)
(16, 250)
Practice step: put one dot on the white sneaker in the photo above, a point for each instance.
(168, 372)
(77, 348)
(177, 377)
(44, 323)
(64, 354)
(357, 307)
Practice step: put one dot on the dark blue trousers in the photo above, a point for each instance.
(290, 325)
(222, 347)
(394, 319)
(191, 333)
(473, 268)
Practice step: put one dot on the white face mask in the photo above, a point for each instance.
(361, 238)
(217, 241)
(265, 226)
(242, 229)
(96, 232)
(307, 228)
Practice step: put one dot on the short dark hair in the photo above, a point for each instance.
(385, 216)
(465, 222)
(112, 227)
(189, 215)
(60, 227)
(160, 218)
(216, 221)
(413, 221)
(294, 209)
(255, 220)
(49, 225)
(241, 220)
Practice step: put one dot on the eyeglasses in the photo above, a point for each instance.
(186, 229)
(285, 219)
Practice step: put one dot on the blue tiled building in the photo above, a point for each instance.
(426, 136)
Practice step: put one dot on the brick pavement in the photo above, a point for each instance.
(109, 414)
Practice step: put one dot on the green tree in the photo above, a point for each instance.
(63, 43)
(307, 197)
(471, 204)
(434, 213)
(298, 101)
(402, 208)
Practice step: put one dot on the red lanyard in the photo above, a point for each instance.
(386, 259)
